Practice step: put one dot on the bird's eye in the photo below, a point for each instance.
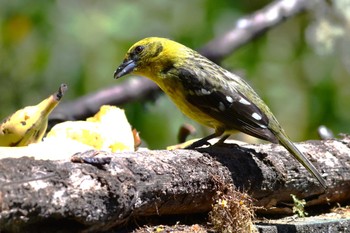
(139, 49)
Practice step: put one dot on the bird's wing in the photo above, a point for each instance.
(227, 105)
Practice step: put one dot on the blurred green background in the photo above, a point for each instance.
(300, 68)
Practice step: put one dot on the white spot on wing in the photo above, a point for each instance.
(205, 92)
(244, 101)
(229, 99)
(256, 116)
(221, 106)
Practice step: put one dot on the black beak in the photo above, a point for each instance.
(125, 68)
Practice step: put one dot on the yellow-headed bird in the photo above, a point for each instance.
(207, 93)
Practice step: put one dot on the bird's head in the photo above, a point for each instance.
(149, 56)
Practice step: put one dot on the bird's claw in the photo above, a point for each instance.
(197, 144)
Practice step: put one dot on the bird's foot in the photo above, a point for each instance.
(227, 145)
(198, 143)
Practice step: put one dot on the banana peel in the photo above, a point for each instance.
(108, 130)
(28, 125)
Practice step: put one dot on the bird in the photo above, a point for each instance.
(208, 93)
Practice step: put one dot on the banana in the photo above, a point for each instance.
(107, 130)
(28, 125)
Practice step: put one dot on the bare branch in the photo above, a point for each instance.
(252, 26)
(134, 89)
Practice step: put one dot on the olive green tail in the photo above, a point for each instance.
(286, 142)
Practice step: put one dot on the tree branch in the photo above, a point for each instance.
(252, 26)
(38, 193)
(134, 89)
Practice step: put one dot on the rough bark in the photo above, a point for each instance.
(39, 194)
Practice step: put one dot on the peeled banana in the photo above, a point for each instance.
(28, 125)
(107, 130)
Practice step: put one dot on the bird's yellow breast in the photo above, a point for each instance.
(175, 90)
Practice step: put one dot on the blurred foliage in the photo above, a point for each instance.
(301, 68)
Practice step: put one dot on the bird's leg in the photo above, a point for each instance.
(222, 143)
(204, 141)
(222, 140)
(201, 142)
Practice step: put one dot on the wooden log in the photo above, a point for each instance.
(134, 184)
(35, 194)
